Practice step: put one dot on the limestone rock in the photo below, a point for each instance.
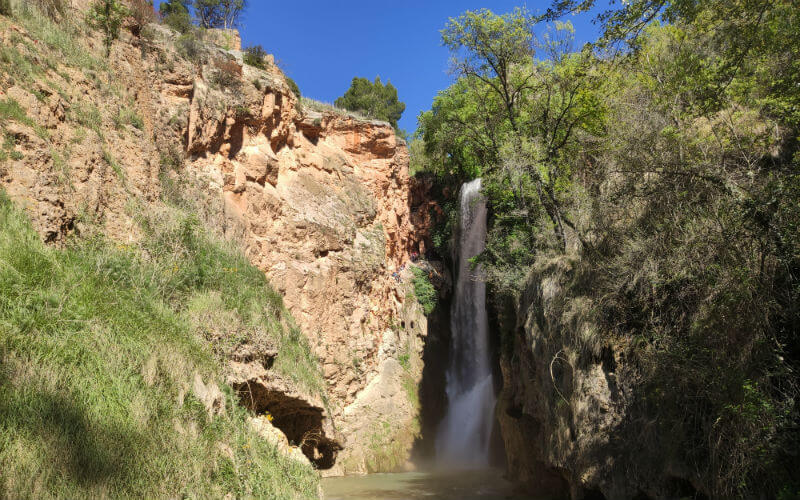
(321, 202)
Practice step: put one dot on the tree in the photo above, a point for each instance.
(678, 161)
(223, 14)
(175, 13)
(107, 16)
(373, 99)
(544, 104)
(488, 47)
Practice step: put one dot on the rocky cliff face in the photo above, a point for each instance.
(567, 409)
(321, 201)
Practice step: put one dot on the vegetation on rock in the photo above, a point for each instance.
(175, 14)
(107, 16)
(294, 88)
(373, 99)
(103, 340)
(256, 56)
(669, 173)
(424, 291)
(99, 345)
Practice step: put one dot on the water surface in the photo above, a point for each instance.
(440, 485)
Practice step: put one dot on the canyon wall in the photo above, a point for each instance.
(318, 199)
(569, 409)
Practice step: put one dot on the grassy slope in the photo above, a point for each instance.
(97, 352)
(99, 343)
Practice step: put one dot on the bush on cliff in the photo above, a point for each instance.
(670, 177)
(294, 88)
(424, 290)
(373, 99)
(175, 14)
(107, 16)
(255, 56)
(98, 350)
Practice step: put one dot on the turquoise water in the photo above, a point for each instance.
(439, 485)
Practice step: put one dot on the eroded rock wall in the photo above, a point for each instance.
(320, 201)
(567, 410)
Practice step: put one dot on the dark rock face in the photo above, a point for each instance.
(568, 408)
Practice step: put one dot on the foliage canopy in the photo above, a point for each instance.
(669, 174)
(224, 14)
(373, 99)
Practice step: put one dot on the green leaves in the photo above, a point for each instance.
(424, 290)
(485, 44)
(256, 56)
(107, 16)
(373, 99)
(175, 14)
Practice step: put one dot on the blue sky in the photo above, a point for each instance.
(322, 45)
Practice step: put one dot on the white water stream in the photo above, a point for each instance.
(463, 435)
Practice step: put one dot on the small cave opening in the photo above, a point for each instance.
(593, 494)
(300, 421)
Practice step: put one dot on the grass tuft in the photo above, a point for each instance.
(11, 110)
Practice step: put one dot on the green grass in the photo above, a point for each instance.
(128, 116)
(87, 114)
(61, 38)
(114, 164)
(11, 110)
(20, 66)
(99, 343)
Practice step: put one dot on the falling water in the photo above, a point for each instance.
(463, 436)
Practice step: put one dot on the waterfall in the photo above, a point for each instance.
(463, 435)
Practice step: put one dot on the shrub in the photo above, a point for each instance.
(293, 86)
(107, 16)
(373, 99)
(175, 14)
(423, 289)
(228, 75)
(142, 14)
(256, 56)
(5, 8)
